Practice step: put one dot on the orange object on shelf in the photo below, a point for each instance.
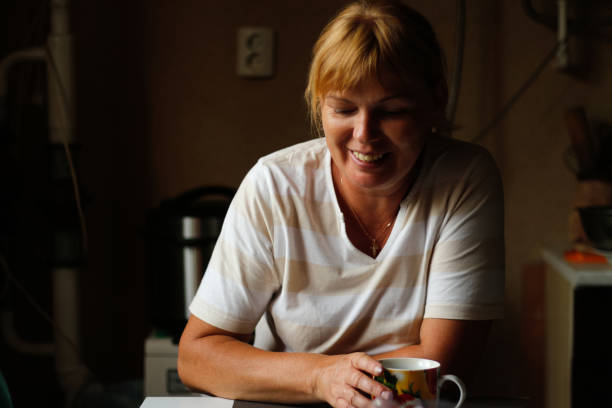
(575, 256)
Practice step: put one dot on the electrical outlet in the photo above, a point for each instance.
(255, 52)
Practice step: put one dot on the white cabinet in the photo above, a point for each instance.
(578, 335)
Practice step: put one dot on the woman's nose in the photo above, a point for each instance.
(365, 128)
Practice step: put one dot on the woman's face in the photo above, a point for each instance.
(376, 131)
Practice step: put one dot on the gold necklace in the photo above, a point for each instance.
(374, 246)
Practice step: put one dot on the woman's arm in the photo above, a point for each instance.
(222, 363)
(456, 344)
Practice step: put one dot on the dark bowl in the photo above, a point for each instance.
(597, 225)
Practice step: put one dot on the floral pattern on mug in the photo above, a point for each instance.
(407, 386)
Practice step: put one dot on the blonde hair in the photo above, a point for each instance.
(371, 36)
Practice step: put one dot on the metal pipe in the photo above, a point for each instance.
(453, 98)
(71, 372)
(60, 78)
(574, 26)
(562, 61)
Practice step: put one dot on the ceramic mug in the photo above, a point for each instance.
(416, 381)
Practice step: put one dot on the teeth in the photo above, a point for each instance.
(367, 157)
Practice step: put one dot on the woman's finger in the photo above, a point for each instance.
(365, 383)
(356, 399)
(360, 381)
(366, 363)
(345, 381)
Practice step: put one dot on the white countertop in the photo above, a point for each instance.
(580, 274)
(186, 402)
(204, 401)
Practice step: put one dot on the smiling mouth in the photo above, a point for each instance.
(368, 158)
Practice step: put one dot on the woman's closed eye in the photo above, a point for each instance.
(344, 111)
(380, 112)
(396, 112)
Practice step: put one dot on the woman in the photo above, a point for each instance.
(382, 239)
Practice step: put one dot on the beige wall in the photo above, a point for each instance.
(174, 115)
(207, 124)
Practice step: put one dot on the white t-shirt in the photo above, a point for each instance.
(283, 255)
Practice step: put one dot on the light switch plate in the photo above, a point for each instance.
(255, 52)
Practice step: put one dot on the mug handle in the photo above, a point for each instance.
(460, 384)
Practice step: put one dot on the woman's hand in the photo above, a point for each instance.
(345, 381)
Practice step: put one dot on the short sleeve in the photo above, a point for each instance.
(241, 278)
(466, 279)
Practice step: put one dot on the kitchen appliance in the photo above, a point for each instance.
(160, 367)
(180, 236)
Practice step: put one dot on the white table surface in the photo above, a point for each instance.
(204, 401)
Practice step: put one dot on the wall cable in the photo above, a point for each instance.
(517, 95)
